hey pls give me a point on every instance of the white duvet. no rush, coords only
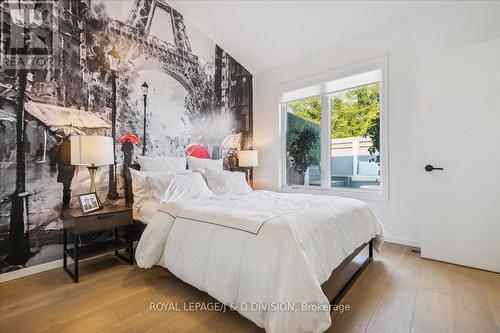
(264, 253)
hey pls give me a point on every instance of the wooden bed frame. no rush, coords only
(344, 276)
(337, 285)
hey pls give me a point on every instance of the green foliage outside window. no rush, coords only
(355, 113)
(308, 108)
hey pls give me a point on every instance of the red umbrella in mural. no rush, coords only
(197, 151)
(128, 141)
(129, 137)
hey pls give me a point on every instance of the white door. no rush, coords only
(460, 131)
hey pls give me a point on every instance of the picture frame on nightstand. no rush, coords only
(89, 202)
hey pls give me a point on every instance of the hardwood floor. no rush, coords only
(398, 292)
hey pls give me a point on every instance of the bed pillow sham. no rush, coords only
(159, 181)
(225, 182)
(200, 163)
(162, 163)
(140, 187)
(186, 186)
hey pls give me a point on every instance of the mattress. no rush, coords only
(147, 210)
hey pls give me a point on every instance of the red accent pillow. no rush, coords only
(197, 151)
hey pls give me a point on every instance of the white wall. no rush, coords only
(453, 26)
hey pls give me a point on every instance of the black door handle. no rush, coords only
(430, 168)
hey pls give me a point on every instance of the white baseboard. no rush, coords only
(41, 268)
(31, 270)
(402, 241)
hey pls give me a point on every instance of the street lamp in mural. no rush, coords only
(19, 249)
(145, 88)
(114, 61)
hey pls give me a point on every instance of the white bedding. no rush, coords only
(260, 250)
(147, 210)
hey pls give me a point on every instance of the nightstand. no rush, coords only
(108, 218)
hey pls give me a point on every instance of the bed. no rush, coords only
(144, 214)
(279, 259)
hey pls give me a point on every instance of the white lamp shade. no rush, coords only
(248, 158)
(92, 150)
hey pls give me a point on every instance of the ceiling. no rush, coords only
(265, 34)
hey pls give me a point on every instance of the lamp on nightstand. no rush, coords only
(248, 159)
(92, 151)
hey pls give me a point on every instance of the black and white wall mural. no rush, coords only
(127, 69)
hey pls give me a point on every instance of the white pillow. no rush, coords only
(161, 163)
(222, 182)
(200, 163)
(159, 181)
(140, 187)
(186, 186)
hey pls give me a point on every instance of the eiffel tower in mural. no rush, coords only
(172, 48)
(141, 18)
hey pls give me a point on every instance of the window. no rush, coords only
(333, 138)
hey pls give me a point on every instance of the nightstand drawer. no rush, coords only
(98, 222)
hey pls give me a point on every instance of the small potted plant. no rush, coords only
(303, 149)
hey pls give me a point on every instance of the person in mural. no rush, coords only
(127, 141)
(60, 156)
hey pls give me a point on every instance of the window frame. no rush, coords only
(325, 164)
